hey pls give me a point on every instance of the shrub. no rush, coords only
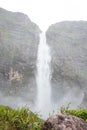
(20, 119)
(81, 113)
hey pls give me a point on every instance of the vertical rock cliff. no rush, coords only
(19, 38)
(68, 42)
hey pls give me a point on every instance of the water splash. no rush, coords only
(43, 76)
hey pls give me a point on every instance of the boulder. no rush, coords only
(64, 122)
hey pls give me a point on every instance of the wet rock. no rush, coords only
(19, 39)
(68, 43)
(64, 122)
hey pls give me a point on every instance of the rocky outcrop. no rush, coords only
(19, 38)
(64, 122)
(68, 43)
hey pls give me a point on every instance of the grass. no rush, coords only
(24, 119)
(19, 119)
(80, 112)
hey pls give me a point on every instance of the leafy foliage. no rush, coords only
(20, 119)
(81, 113)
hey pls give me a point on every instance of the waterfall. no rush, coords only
(43, 76)
(44, 103)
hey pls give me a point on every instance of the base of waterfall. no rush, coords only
(23, 119)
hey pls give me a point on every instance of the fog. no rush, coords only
(47, 12)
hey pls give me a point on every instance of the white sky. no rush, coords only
(46, 12)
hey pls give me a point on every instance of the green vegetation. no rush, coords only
(24, 119)
(81, 113)
(19, 119)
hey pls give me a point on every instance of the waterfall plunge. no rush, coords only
(43, 77)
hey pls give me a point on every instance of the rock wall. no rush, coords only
(68, 43)
(19, 38)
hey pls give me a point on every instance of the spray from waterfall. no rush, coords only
(43, 76)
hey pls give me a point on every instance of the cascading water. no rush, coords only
(43, 76)
(44, 103)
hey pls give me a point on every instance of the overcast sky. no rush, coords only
(46, 12)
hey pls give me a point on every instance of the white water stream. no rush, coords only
(43, 76)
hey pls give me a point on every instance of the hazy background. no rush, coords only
(46, 12)
(21, 38)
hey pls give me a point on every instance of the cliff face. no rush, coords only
(19, 38)
(68, 43)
